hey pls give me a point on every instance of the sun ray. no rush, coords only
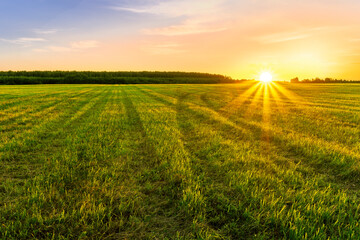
(277, 99)
(232, 106)
(266, 121)
(293, 97)
(252, 107)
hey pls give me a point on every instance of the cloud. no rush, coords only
(293, 35)
(84, 44)
(200, 16)
(59, 49)
(186, 28)
(53, 49)
(175, 8)
(282, 37)
(45, 31)
(164, 49)
(23, 40)
(134, 10)
(72, 47)
(355, 40)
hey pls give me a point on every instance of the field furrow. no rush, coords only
(225, 161)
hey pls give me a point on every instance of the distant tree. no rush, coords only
(294, 80)
(327, 80)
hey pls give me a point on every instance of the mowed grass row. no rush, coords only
(244, 161)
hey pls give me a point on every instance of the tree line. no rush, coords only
(319, 80)
(89, 77)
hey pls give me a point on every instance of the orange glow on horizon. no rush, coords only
(293, 39)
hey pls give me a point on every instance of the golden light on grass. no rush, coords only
(266, 77)
(232, 106)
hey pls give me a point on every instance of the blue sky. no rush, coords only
(21, 18)
(232, 37)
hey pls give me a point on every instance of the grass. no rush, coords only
(232, 161)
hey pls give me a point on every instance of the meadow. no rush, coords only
(220, 161)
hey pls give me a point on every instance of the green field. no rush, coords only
(226, 161)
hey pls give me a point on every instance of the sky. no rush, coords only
(237, 38)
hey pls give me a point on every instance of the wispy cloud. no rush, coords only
(191, 26)
(282, 37)
(293, 35)
(45, 31)
(71, 47)
(84, 44)
(23, 40)
(134, 10)
(355, 40)
(174, 8)
(53, 49)
(201, 16)
(164, 49)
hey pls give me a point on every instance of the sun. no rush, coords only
(266, 77)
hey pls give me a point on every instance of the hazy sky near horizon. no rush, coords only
(239, 38)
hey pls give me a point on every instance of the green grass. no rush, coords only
(232, 161)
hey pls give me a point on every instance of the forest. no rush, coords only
(90, 77)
